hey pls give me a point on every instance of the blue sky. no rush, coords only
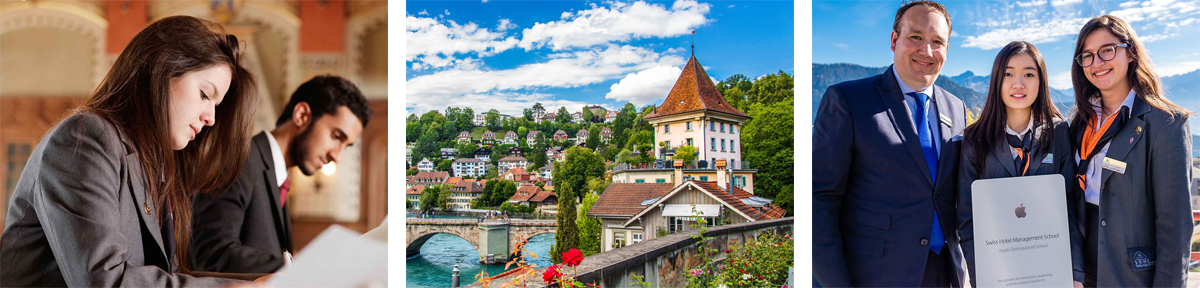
(1169, 29)
(509, 54)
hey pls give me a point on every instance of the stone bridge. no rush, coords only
(494, 239)
(661, 260)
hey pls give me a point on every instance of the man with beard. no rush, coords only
(246, 229)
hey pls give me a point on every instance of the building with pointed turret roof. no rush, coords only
(695, 113)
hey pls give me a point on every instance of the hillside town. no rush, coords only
(641, 173)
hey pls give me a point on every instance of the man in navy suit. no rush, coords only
(885, 155)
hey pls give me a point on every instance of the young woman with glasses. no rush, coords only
(1133, 170)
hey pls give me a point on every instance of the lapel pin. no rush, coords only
(1130, 140)
(1137, 129)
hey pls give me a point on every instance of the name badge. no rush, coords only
(1049, 159)
(1114, 165)
(946, 120)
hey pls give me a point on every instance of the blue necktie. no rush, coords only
(937, 238)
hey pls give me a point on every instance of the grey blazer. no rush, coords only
(1146, 211)
(873, 195)
(999, 164)
(78, 216)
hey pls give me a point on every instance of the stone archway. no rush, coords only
(62, 16)
(417, 235)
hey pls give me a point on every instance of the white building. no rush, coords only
(511, 162)
(464, 167)
(425, 165)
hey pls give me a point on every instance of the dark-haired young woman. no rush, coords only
(1019, 133)
(105, 198)
(1134, 171)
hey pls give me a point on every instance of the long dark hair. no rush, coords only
(988, 131)
(135, 96)
(1141, 75)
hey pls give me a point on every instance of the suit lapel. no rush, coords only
(272, 186)
(146, 209)
(947, 134)
(1002, 154)
(893, 98)
(1119, 146)
(1035, 160)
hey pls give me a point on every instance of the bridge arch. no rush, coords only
(417, 235)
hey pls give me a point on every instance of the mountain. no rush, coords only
(825, 75)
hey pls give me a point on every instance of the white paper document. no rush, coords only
(338, 257)
(1021, 232)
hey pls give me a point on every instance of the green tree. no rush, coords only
(589, 228)
(432, 197)
(563, 116)
(687, 153)
(466, 119)
(624, 121)
(566, 236)
(587, 115)
(528, 113)
(593, 138)
(445, 165)
(773, 88)
(492, 120)
(767, 144)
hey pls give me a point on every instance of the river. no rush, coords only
(434, 266)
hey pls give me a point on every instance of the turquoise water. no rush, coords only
(435, 265)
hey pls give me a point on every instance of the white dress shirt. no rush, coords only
(281, 172)
(1091, 192)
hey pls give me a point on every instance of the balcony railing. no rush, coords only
(670, 164)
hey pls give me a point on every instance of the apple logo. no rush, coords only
(1021, 211)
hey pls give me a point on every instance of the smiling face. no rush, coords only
(920, 46)
(324, 140)
(194, 98)
(1108, 76)
(1021, 83)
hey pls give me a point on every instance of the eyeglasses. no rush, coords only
(1106, 53)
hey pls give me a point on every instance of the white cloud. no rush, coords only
(455, 86)
(433, 43)
(1035, 26)
(423, 12)
(842, 46)
(1036, 33)
(1061, 80)
(505, 24)
(1032, 3)
(1156, 37)
(730, 6)
(1064, 2)
(645, 87)
(617, 23)
(1176, 68)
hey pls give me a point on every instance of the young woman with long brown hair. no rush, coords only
(1131, 146)
(105, 198)
(1019, 133)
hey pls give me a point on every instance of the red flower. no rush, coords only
(572, 257)
(551, 274)
(728, 250)
(741, 271)
(760, 277)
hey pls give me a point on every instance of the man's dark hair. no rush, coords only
(324, 94)
(935, 6)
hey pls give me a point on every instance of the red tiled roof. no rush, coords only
(626, 198)
(736, 202)
(427, 177)
(467, 187)
(524, 193)
(453, 180)
(694, 91)
(415, 190)
(512, 158)
(543, 196)
(517, 171)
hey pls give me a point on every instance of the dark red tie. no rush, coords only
(283, 189)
